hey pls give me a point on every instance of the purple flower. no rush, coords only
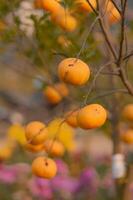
(40, 188)
(10, 173)
(62, 168)
(65, 184)
(88, 181)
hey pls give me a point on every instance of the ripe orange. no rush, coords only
(55, 148)
(128, 112)
(127, 137)
(113, 14)
(73, 71)
(38, 4)
(36, 132)
(62, 89)
(52, 95)
(34, 148)
(71, 118)
(83, 5)
(44, 167)
(65, 20)
(91, 116)
(52, 6)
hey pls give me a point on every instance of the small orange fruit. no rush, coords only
(84, 5)
(128, 112)
(62, 89)
(73, 71)
(36, 132)
(112, 12)
(38, 4)
(63, 41)
(44, 167)
(127, 137)
(91, 116)
(65, 20)
(34, 148)
(55, 148)
(52, 95)
(71, 118)
(51, 6)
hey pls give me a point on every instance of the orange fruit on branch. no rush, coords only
(52, 6)
(44, 167)
(73, 71)
(91, 116)
(53, 96)
(34, 148)
(62, 89)
(128, 112)
(112, 12)
(84, 5)
(65, 20)
(127, 136)
(54, 147)
(71, 118)
(36, 132)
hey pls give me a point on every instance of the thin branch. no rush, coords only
(115, 5)
(88, 33)
(110, 92)
(94, 80)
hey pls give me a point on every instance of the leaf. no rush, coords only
(65, 133)
(17, 133)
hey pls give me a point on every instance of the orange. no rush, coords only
(128, 112)
(36, 132)
(113, 14)
(65, 20)
(52, 95)
(83, 4)
(63, 41)
(34, 148)
(91, 116)
(38, 3)
(71, 118)
(55, 148)
(62, 89)
(73, 71)
(51, 6)
(127, 137)
(44, 167)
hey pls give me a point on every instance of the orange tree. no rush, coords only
(90, 39)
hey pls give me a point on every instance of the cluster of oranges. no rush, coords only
(63, 17)
(37, 141)
(76, 72)
(127, 134)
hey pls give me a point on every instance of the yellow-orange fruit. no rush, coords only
(55, 148)
(112, 12)
(52, 95)
(44, 167)
(38, 3)
(84, 5)
(34, 148)
(128, 112)
(65, 21)
(62, 89)
(6, 149)
(36, 132)
(63, 41)
(127, 136)
(52, 6)
(73, 71)
(71, 118)
(91, 116)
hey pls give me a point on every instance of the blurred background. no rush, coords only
(31, 47)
